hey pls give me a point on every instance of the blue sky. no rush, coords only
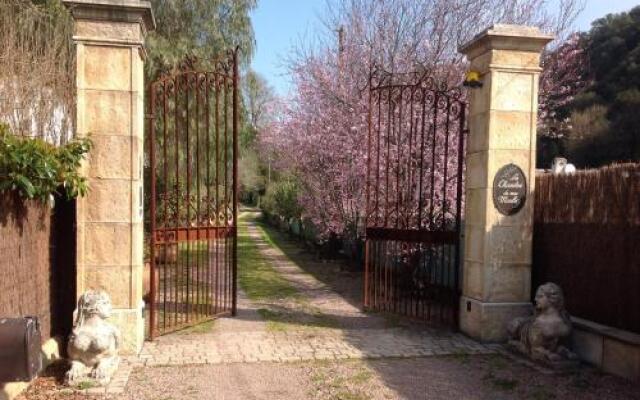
(279, 24)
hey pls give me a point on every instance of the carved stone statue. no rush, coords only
(541, 335)
(93, 343)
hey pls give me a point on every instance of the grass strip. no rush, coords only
(257, 278)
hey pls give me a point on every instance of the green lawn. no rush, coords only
(256, 276)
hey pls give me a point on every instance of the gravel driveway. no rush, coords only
(315, 343)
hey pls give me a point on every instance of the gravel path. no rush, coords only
(315, 324)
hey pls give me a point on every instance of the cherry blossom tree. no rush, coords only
(565, 74)
(321, 133)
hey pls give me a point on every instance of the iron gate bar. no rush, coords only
(226, 172)
(208, 161)
(412, 234)
(234, 251)
(152, 210)
(194, 238)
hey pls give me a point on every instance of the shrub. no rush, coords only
(36, 169)
(282, 199)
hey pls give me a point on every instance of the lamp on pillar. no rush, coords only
(472, 80)
(500, 175)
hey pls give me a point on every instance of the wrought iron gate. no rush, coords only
(193, 144)
(414, 197)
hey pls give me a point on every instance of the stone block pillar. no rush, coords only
(109, 37)
(500, 177)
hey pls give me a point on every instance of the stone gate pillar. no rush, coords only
(500, 177)
(109, 37)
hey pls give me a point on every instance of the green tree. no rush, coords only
(614, 53)
(282, 198)
(257, 114)
(613, 131)
(198, 28)
(252, 181)
(590, 130)
(257, 95)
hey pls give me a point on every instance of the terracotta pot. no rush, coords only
(167, 254)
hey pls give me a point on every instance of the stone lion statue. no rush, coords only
(541, 335)
(93, 343)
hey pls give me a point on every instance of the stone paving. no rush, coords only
(246, 338)
(300, 345)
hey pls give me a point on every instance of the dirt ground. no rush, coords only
(438, 378)
(433, 378)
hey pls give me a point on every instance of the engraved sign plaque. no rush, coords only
(509, 189)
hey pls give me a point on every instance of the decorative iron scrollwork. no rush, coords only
(426, 80)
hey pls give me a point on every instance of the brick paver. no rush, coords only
(327, 344)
